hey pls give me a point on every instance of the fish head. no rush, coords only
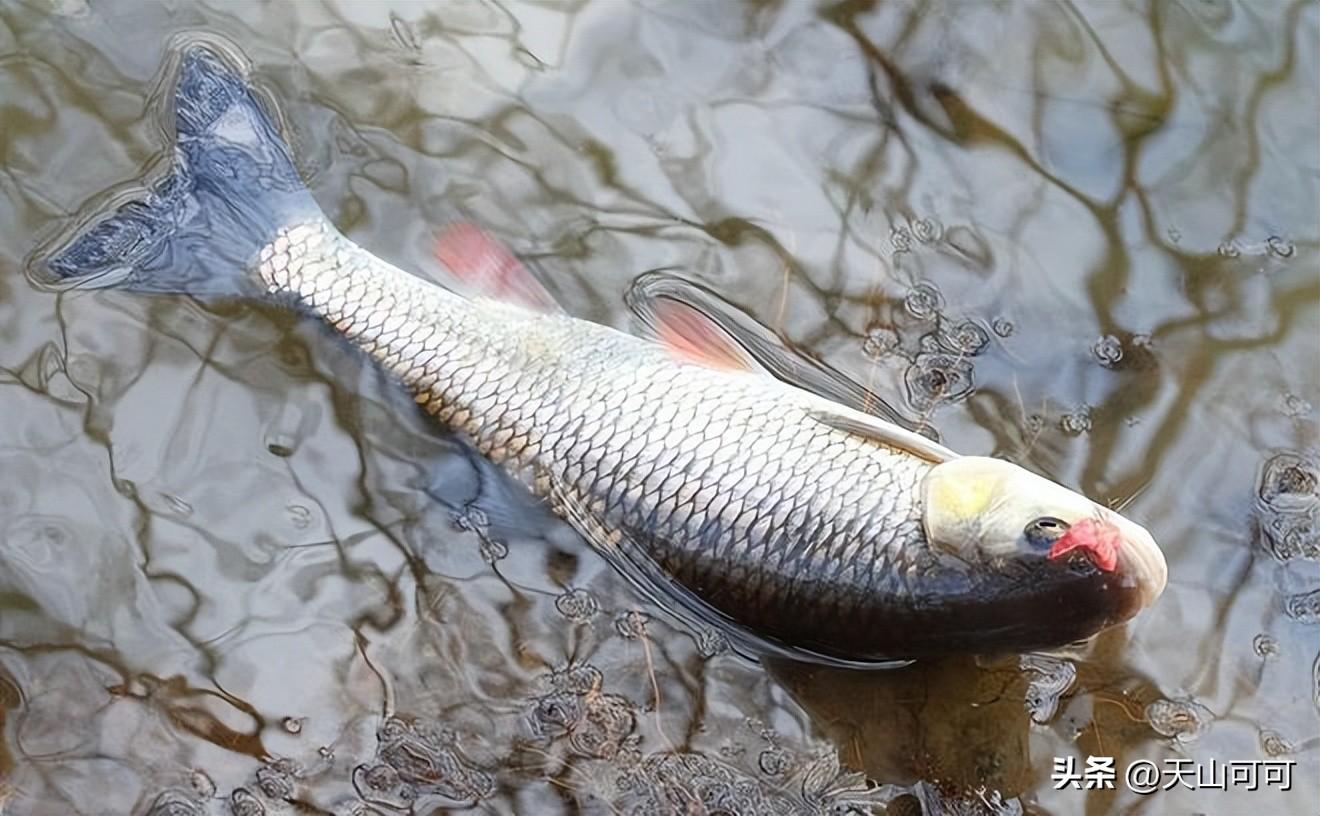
(1049, 566)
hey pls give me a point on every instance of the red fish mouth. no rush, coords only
(1098, 540)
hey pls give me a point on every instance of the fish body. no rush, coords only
(723, 477)
(809, 527)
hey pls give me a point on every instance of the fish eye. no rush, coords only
(1041, 532)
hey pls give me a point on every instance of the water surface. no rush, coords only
(240, 574)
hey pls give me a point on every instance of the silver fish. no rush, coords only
(805, 526)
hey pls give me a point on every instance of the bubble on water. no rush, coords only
(927, 230)
(712, 642)
(1288, 476)
(966, 337)
(1275, 745)
(597, 724)
(202, 783)
(1182, 720)
(1295, 406)
(673, 782)
(380, 784)
(415, 759)
(299, 516)
(1003, 327)
(1175, 235)
(632, 624)
(1280, 247)
(1265, 646)
(901, 238)
(698, 784)
(1229, 249)
(1050, 677)
(1288, 484)
(1108, 350)
(923, 301)
(294, 725)
(774, 761)
(325, 752)
(492, 550)
(879, 342)
(937, 379)
(471, 519)
(555, 715)
(275, 779)
(606, 728)
(242, 802)
(1132, 421)
(1303, 607)
(1035, 423)
(578, 605)
(1289, 536)
(1077, 421)
(1315, 682)
(174, 803)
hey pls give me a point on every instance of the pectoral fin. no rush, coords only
(753, 344)
(884, 433)
(691, 335)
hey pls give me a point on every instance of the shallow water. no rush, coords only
(239, 573)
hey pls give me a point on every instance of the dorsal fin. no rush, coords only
(876, 429)
(487, 267)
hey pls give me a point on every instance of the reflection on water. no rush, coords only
(240, 574)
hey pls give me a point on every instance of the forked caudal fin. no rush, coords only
(231, 185)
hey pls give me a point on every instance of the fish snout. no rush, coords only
(1140, 559)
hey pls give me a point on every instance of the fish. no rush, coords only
(803, 526)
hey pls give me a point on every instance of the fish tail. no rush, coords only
(230, 186)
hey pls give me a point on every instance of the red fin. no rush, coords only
(1097, 539)
(693, 336)
(489, 268)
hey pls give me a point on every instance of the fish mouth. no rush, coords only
(1099, 540)
(1113, 544)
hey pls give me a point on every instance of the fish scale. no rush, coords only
(662, 452)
